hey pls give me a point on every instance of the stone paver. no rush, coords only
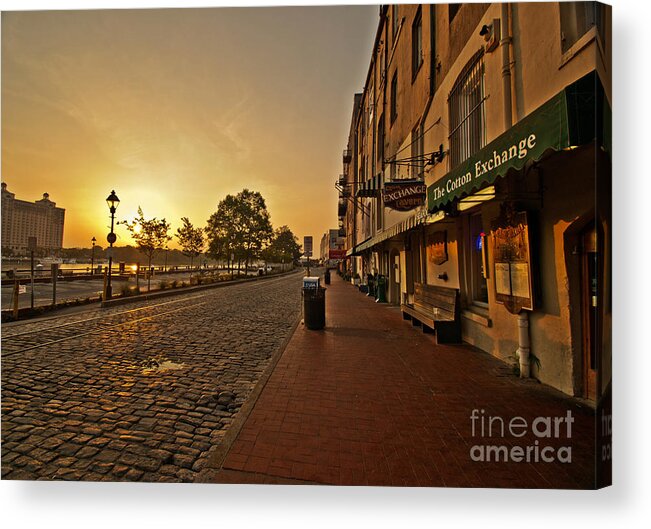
(372, 401)
(148, 393)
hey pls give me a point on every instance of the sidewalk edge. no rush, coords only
(219, 453)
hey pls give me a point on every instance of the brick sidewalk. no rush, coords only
(373, 401)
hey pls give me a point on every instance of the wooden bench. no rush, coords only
(436, 309)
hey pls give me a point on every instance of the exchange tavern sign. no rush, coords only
(404, 195)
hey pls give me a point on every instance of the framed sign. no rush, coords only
(437, 247)
(404, 195)
(512, 264)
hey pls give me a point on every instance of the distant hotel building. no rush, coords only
(22, 219)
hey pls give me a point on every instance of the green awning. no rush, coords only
(576, 116)
(409, 223)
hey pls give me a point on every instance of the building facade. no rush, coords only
(331, 246)
(22, 220)
(500, 113)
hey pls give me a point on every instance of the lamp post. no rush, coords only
(112, 202)
(92, 257)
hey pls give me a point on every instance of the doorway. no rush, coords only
(394, 278)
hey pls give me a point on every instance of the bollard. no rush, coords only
(15, 300)
(105, 286)
(55, 273)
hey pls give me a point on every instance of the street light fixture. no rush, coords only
(113, 201)
(92, 257)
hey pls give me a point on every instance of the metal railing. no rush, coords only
(466, 107)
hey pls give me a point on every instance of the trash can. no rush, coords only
(314, 308)
(381, 290)
(326, 276)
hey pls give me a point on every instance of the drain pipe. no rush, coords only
(524, 341)
(505, 44)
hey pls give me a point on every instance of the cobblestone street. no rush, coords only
(139, 392)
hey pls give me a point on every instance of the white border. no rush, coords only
(88, 505)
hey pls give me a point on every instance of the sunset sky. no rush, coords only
(175, 108)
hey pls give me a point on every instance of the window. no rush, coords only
(453, 9)
(466, 106)
(478, 285)
(577, 18)
(417, 164)
(394, 96)
(380, 141)
(371, 106)
(416, 43)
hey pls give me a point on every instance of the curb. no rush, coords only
(219, 453)
(187, 290)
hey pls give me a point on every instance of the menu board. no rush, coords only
(437, 248)
(512, 264)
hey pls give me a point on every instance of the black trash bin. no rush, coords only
(371, 285)
(314, 308)
(381, 290)
(326, 277)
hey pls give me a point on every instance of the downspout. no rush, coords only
(524, 341)
(354, 191)
(428, 105)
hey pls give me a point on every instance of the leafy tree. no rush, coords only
(150, 236)
(191, 240)
(240, 227)
(284, 247)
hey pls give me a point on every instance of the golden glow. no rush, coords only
(134, 268)
(175, 108)
(483, 195)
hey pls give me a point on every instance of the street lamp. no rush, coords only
(112, 202)
(92, 257)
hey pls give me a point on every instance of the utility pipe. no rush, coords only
(505, 43)
(524, 341)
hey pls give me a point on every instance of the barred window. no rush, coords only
(466, 106)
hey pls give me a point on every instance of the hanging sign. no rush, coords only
(404, 195)
(512, 258)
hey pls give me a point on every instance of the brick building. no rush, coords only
(478, 120)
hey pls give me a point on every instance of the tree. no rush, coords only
(191, 240)
(284, 247)
(240, 227)
(150, 236)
